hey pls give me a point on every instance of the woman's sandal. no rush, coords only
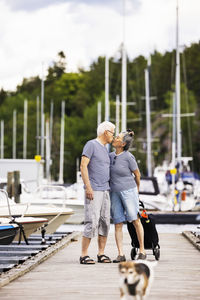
(103, 259)
(86, 260)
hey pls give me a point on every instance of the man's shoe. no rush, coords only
(119, 259)
(142, 256)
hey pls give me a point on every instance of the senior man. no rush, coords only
(95, 171)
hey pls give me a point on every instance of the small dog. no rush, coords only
(135, 279)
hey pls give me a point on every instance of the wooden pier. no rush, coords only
(177, 274)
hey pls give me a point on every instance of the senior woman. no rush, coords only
(124, 189)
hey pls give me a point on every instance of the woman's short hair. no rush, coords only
(128, 138)
(104, 126)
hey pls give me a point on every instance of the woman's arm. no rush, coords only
(137, 178)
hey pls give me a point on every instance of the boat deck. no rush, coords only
(161, 217)
(177, 274)
(186, 217)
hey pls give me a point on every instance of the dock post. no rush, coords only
(9, 184)
(17, 186)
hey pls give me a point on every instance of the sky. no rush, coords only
(32, 32)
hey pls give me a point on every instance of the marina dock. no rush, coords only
(177, 274)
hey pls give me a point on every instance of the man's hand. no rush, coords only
(84, 173)
(89, 193)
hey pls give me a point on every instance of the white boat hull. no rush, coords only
(56, 216)
(30, 225)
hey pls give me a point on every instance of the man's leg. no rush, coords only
(85, 259)
(87, 234)
(85, 245)
(101, 244)
(90, 229)
(104, 224)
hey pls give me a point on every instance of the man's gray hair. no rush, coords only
(104, 126)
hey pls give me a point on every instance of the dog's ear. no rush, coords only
(120, 265)
(142, 268)
(138, 268)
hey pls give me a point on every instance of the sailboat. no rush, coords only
(183, 191)
(183, 195)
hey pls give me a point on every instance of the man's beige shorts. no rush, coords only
(97, 215)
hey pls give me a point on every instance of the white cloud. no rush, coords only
(32, 5)
(84, 31)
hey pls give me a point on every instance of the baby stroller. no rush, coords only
(151, 240)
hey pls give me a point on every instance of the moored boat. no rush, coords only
(7, 232)
(55, 216)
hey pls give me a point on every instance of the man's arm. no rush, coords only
(84, 173)
(137, 178)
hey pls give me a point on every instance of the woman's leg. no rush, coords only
(119, 238)
(131, 206)
(140, 234)
(117, 213)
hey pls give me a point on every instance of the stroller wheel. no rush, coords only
(133, 253)
(156, 252)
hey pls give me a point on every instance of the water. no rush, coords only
(161, 228)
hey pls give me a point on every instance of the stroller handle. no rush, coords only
(141, 204)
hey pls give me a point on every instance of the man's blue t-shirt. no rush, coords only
(99, 165)
(121, 168)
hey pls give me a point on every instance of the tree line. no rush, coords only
(81, 92)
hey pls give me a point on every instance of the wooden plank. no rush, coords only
(62, 277)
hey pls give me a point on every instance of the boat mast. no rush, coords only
(14, 132)
(2, 139)
(107, 108)
(51, 126)
(25, 129)
(148, 120)
(117, 115)
(173, 170)
(37, 125)
(174, 132)
(62, 136)
(178, 96)
(42, 115)
(124, 76)
(98, 113)
(48, 158)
